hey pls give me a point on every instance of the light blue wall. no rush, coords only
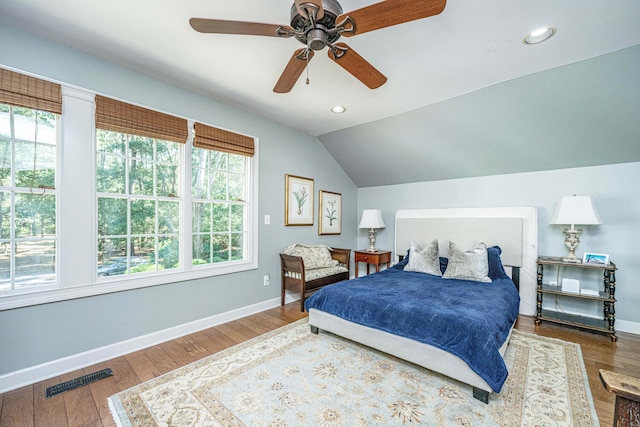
(34, 335)
(613, 187)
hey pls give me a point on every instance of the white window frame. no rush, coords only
(77, 253)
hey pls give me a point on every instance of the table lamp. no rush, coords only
(575, 210)
(371, 219)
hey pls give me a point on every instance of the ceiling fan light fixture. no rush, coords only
(540, 35)
(338, 109)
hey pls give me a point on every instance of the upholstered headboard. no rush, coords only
(515, 230)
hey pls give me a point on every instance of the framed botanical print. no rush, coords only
(330, 213)
(298, 200)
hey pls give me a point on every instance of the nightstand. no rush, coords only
(376, 258)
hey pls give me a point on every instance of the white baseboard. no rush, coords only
(34, 374)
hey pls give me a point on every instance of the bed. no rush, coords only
(425, 319)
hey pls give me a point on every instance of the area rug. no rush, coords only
(291, 377)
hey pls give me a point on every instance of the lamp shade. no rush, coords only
(371, 218)
(576, 210)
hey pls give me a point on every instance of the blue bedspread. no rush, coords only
(469, 319)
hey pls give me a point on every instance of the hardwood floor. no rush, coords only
(87, 406)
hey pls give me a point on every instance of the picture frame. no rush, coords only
(298, 200)
(597, 259)
(329, 213)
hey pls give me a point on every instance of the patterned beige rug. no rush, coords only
(290, 377)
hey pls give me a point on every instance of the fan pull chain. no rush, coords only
(307, 67)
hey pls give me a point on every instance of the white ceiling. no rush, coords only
(471, 45)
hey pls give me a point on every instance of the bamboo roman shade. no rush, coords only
(119, 116)
(30, 92)
(213, 138)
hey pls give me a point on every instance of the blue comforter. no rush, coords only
(469, 319)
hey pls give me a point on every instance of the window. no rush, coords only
(28, 140)
(122, 211)
(219, 206)
(138, 204)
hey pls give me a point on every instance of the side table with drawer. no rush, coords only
(376, 258)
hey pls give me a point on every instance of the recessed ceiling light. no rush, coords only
(338, 109)
(539, 35)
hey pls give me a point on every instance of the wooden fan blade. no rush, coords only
(292, 71)
(390, 12)
(317, 3)
(220, 26)
(358, 67)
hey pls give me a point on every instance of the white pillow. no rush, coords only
(424, 260)
(470, 265)
(313, 256)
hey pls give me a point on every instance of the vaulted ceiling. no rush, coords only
(464, 96)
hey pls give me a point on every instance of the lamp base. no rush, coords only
(372, 240)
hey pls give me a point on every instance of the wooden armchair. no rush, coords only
(297, 279)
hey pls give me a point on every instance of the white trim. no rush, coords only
(34, 374)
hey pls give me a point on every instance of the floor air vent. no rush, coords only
(77, 382)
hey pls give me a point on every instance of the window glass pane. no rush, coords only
(167, 152)
(168, 253)
(237, 217)
(112, 216)
(141, 147)
(5, 162)
(237, 246)
(5, 217)
(219, 186)
(140, 177)
(35, 263)
(35, 215)
(199, 158)
(200, 183)
(109, 249)
(46, 124)
(218, 160)
(143, 251)
(220, 217)
(24, 122)
(143, 216)
(201, 253)
(168, 217)
(220, 247)
(44, 173)
(167, 180)
(236, 163)
(236, 187)
(201, 217)
(5, 121)
(111, 142)
(111, 174)
(5, 266)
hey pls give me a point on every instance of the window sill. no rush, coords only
(117, 284)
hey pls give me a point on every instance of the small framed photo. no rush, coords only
(330, 213)
(598, 259)
(298, 200)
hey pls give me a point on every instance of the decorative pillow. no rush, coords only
(424, 260)
(402, 264)
(496, 269)
(313, 256)
(470, 265)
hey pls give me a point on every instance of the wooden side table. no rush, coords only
(627, 391)
(376, 258)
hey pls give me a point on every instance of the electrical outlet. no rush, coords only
(553, 283)
(267, 280)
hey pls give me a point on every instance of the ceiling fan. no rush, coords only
(320, 23)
